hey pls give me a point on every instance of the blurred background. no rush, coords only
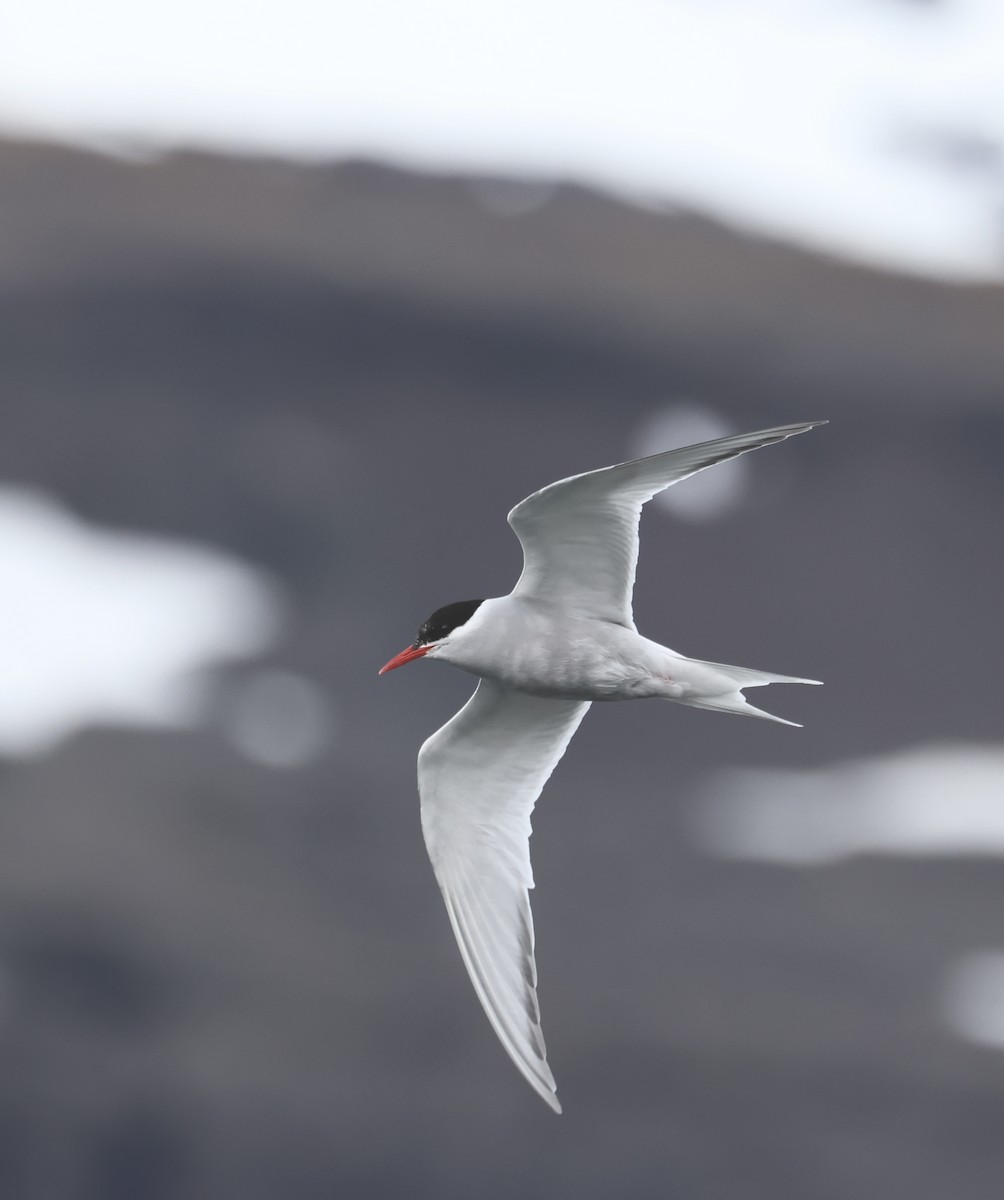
(296, 301)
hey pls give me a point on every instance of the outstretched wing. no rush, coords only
(580, 535)
(479, 777)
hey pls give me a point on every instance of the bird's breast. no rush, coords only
(525, 647)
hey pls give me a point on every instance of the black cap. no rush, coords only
(444, 620)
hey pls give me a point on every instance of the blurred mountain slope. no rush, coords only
(657, 283)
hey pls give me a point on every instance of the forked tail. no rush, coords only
(734, 701)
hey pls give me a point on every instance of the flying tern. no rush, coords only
(564, 637)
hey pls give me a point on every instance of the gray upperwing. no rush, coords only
(580, 535)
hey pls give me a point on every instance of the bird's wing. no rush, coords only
(580, 535)
(479, 777)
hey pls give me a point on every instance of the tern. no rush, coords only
(564, 637)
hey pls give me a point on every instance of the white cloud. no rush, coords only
(112, 627)
(933, 800)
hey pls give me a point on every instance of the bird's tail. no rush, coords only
(734, 701)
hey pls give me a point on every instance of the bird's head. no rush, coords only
(435, 631)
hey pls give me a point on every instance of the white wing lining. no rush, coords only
(479, 777)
